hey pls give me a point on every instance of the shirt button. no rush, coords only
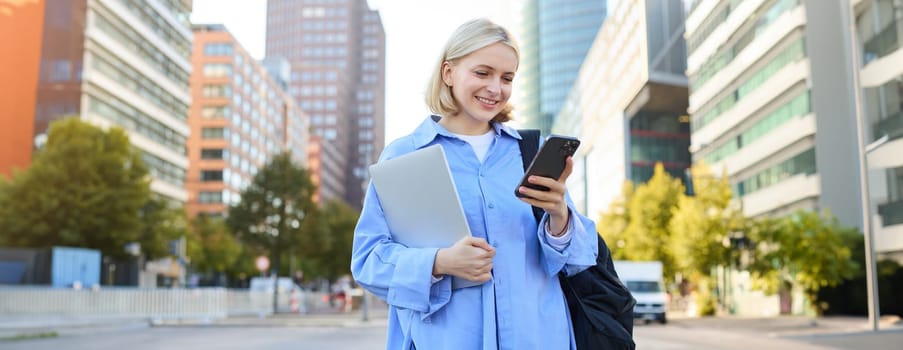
(482, 175)
(426, 320)
(491, 205)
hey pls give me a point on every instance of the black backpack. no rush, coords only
(601, 306)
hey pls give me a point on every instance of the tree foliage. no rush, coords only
(702, 224)
(651, 207)
(273, 209)
(326, 251)
(613, 224)
(212, 247)
(694, 234)
(804, 248)
(85, 188)
(162, 222)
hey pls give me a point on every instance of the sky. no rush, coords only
(416, 31)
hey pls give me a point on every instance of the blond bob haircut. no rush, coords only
(469, 37)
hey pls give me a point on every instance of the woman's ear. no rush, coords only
(447, 73)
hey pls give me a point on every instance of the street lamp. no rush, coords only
(863, 150)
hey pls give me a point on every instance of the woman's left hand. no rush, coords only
(552, 200)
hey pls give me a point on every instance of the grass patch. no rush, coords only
(30, 336)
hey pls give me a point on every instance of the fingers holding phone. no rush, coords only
(553, 198)
(543, 184)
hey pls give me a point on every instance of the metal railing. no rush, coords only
(891, 213)
(883, 43)
(892, 126)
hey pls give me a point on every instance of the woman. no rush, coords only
(520, 305)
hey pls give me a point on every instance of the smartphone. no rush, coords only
(549, 161)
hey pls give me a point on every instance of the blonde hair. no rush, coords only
(469, 37)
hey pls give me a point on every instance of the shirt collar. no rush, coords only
(429, 129)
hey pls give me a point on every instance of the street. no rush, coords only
(304, 333)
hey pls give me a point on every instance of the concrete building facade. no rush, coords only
(628, 104)
(21, 28)
(772, 103)
(114, 64)
(879, 31)
(337, 52)
(241, 117)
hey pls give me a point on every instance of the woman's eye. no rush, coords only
(481, 73)
(508, 79)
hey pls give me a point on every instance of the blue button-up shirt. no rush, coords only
(522, 307)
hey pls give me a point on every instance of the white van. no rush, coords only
(644, 280)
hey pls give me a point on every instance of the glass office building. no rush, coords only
(555, 37)
(629, 102)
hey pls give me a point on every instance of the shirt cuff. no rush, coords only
(561, 242)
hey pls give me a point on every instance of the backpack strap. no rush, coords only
(529, 145)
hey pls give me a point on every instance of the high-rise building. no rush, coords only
(629, 102)
(555, 36)
(118, 63)
(241, 116)
(336, 49)
(879, 25)
(20, 57)
(772, 104)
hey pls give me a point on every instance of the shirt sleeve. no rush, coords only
(560, 242)
(580, 251)
(401, 276)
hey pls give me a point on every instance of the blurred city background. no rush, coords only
(179, 173)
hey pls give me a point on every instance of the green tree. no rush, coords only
(702, 224)
(162, 222)
(273, 209)
(327, 250)
(651, 207)
(805, 248)
(212, 247)
(85, 188)
(613, 223)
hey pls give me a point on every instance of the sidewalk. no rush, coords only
(832, 332)
(788, 326)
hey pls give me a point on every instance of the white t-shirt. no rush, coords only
(480, 143)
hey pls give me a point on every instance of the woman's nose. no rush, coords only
(494, 87)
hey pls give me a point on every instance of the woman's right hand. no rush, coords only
(469, 258)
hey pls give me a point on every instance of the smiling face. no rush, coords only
(481, 85)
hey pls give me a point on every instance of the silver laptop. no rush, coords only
(420, 201)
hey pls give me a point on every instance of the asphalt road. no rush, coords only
(349, 334)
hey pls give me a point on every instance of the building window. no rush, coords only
(215, 112)
(210, 197)
(218, 49)
(218, 90)
(213, 133)
(211, 175)
(217, 70)
(213, 153)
